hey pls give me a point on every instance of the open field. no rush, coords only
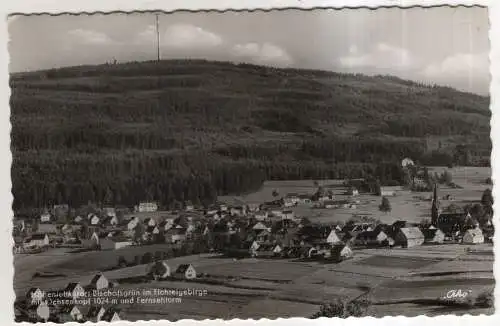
(406, 205)
(393, 280)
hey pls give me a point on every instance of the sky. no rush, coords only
(445, 46)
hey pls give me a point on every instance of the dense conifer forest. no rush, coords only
(182, 130)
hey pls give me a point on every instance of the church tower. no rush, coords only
(435, 206)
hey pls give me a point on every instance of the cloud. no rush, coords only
(382, 56)
(459, 66)
(182, 36)
(90, 36)
(466, 71)
(266, 53)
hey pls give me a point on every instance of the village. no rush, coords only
(269, 230)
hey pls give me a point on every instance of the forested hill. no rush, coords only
(178, 130)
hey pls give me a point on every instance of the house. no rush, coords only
(149, 221)
(99, 282)
(237, 211)
(277, 250)
(48, 228)
(147, 207)
(159, 270)
(95, 313)
(320, 250)
(304, 199)
(175, 235)
(473, 236)
(74, 312)
(371, 238)
(261, 215)
(75, 290)
(38, 240)
(264, 251)
(353, 192)
(260, 226)
(333, 237)
(390, 191)
(114, 242)
(433, 235)
(92, 242)
(110, 315)
(35, 295)
(186, 271)
(109, 211)
(109, 220)
(287, 215)
(409, 237)
(341, 252)
(94, 220)
(45, 217)
(188, 206)
(78, 219)
(132, 223)
(263, 236)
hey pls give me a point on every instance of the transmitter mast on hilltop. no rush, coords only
(157, 37)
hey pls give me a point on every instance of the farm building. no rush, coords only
(99, 282)
(147, 207)
(95, 313)
(264, 251)
(287, 215)
(94, 220)
(433, 235)
(371, 238)
(74, 312)
(35, 295)
(175, 235)
(409, 237)
(333, 237)
(390, 191)
(110, 315)
(49, 228)
(159, 270)
(37, 240)
(341, 252)
(75, 290)
(304, 199)
(473, 236)
(186, 271)
(114, 243)
(45, 218)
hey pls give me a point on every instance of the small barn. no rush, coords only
(333, 237)
(186, 271)
(473, 236)
(409, 237)
(111, 314)
(433, 235)
(75, 290)
(99, 282)
(341, 252)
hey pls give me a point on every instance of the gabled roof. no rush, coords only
(182, 268)
(96, 278)
(71, 286)
(475, 232)
(412, 233)
(38, 236)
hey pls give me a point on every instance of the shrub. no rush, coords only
(342, 309)
(385, 205)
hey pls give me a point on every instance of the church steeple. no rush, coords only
(435, 206)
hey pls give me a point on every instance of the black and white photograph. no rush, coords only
(251, 164)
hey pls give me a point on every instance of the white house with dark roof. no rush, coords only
(99, 282)
(76, 290)
(186, 271)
